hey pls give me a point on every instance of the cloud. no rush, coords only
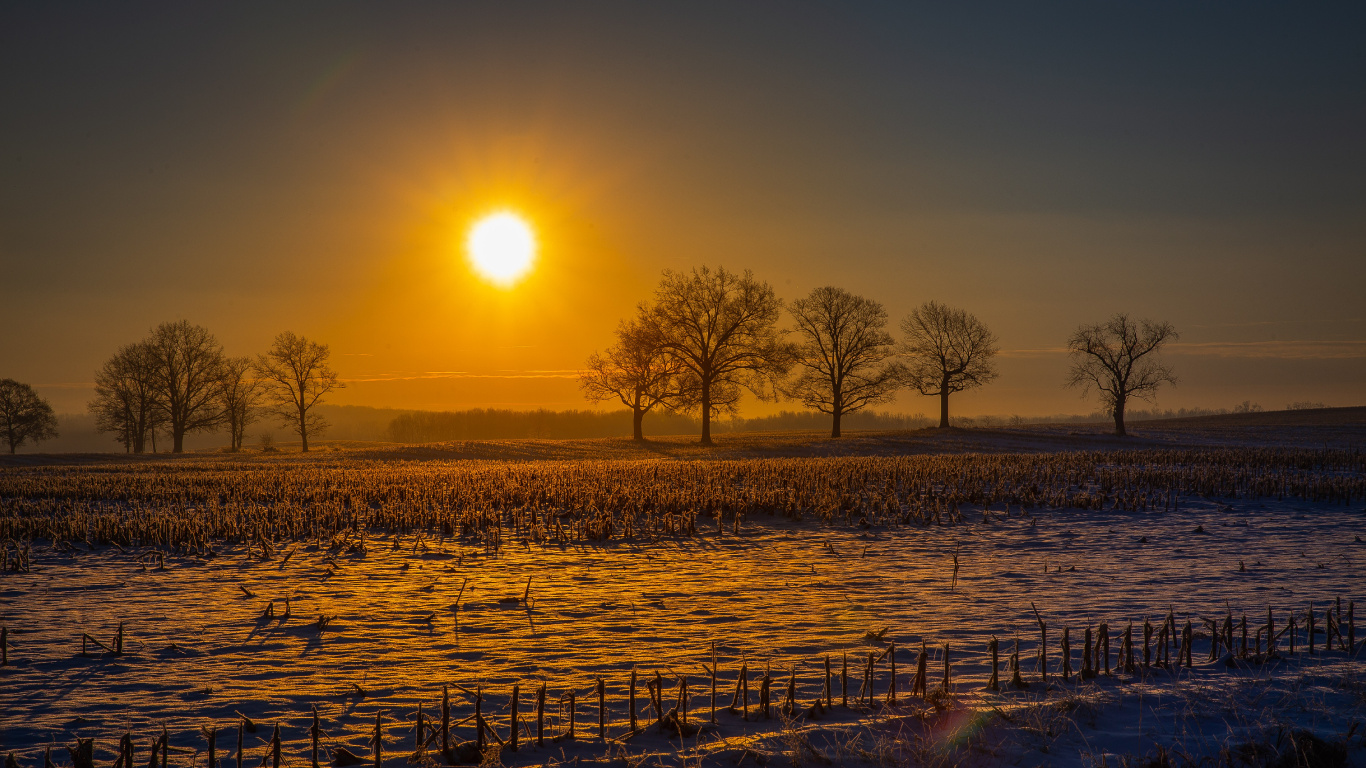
(1279, 350)
(502, 374)
(1033, 353)
(1266, 323)
(1265, 350)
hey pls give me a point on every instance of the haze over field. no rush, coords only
(318, 168)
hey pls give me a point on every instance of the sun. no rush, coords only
(502, 247)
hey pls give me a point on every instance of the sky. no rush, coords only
(316, 167)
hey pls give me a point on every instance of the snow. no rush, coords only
(780, 595)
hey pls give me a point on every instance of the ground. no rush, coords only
(210, 638)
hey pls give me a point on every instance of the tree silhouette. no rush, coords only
(722, 327)
(843, 360)
(24, 416)
(240, 392)
(1118, 358)
(187, 363)
(948, 351)
(295, 375)
(639, 373)
(126, 397)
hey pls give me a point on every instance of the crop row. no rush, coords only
(193, 503)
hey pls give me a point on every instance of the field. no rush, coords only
(364, 582)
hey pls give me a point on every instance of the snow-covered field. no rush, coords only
(410, 618)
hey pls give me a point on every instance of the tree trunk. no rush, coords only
(706, 414)
(944, 406)
(637, 432)
(303, 428)
(1119, 419)
(178, 441)
(835, 429)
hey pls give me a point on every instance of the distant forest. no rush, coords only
(494, 424)
(365, 424)
(481, 424)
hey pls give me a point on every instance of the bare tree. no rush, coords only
(723, 328)
(844, 358)
(948, 351)
(296, 376)
(638, 373)
(1118, 358)
(188, 363)
(241, 393)
(126, 397)
(24, 416)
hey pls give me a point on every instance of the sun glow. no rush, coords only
(502, 247)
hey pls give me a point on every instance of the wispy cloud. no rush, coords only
(1282, 350)
(1271, 350)
(1034, 353)
(566, 373)
(1268, 323)
(501, 374)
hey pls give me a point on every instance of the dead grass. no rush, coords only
(1048, 718)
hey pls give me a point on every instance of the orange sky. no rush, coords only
(319, 174)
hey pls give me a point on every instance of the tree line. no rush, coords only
(711, 334)
(506, 424)
(178, 381)
(708, 336)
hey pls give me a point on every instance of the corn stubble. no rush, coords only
(192, 506)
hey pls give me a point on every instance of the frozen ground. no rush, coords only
(781, 596)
